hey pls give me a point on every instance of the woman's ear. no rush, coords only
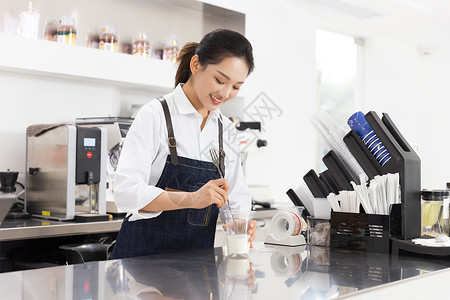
(195, 64)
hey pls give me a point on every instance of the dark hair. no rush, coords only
(212, 49)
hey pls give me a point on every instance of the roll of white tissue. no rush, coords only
(286, 223)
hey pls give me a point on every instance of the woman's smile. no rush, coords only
(215, 100)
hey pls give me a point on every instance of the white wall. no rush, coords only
(393, 83)
(283, 39)
(28, 100)
(434, 119)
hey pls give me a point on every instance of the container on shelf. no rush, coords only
(141, 45)
(108, 39)
(29, 22)
(67, 34)
(93, 40)
(126, 46)
(171, 51)
(51, 30)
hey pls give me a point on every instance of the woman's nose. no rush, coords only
(225, 92)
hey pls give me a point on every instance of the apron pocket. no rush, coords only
(199, 217)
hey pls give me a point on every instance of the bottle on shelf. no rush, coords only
(29, 22)
(141, 45)
(67, 34)
(108, 39)
(170, 52)
(51, 31)
(93, 40)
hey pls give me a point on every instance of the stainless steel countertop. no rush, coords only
(265, 273)
(41, 228)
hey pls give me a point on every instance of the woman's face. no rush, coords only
(219, 83)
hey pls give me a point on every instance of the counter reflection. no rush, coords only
(269, 272)
(177, 276)
(236, 277)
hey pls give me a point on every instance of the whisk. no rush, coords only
(216, 162)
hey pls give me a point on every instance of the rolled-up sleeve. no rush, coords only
(132, 190)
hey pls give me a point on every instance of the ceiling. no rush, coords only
(423, 22)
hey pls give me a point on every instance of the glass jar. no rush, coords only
(29, 23)
(66, 32)
(141, 46)
(433, 218)
(51, 31)
(108, 39)
(170, 52)
(93, 40)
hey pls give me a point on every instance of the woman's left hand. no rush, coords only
(251, 232)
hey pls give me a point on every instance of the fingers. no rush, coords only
(211, 193)
(251, 232)
(252, 227)
(222, 182)
(222, 192)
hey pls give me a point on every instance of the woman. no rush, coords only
(165, 179)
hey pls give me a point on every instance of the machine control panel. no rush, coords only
(88, 155)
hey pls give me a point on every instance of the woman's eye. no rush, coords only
(218, 81)
(236, 88)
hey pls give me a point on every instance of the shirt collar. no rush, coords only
(184, 106)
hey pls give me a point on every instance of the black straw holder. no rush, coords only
(403, 161)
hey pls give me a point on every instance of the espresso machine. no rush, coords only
(66, 172)
(117, 128)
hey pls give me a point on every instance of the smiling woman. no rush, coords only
(164, 180)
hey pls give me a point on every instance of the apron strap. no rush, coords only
(171, 138)
(221, 150)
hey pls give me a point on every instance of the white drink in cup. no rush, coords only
(237, 224)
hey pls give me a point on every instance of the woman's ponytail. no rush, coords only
(184, 63)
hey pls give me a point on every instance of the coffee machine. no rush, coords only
(66, 172)
(117, 128)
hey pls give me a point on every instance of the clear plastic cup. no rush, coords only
(237, 224)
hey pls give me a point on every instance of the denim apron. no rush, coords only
(174, 230)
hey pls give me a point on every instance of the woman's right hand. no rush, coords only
(213, 192)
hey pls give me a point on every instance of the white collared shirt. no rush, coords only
(146, 148)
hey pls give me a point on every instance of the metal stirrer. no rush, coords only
(216, 162)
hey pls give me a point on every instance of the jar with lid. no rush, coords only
(93, 39)
(66, 32)
(434, 219)
(108, 39)
(141, 46)
(29, 22)
(51, 30)
(170, 52)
